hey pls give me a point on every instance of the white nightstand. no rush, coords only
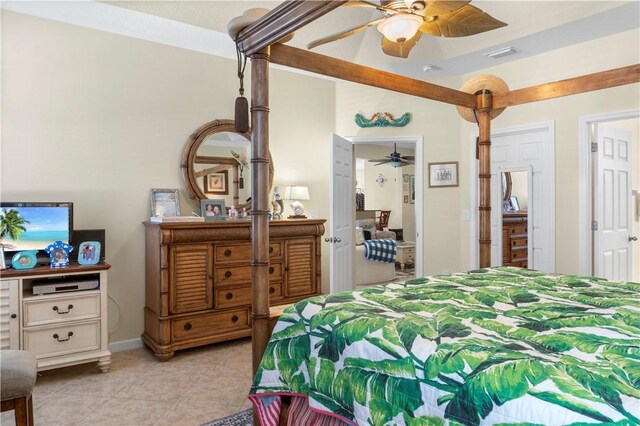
(406, 253)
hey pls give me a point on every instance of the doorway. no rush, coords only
(609, 198)
(516, 220)
(530, 149)
(415, 235)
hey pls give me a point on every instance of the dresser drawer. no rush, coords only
(240, 252)
(228, 275)
(519, 254)
(59, 308)
(232, 296)
(61, 339)
(519, 242)
(517, 230)
(205, 325)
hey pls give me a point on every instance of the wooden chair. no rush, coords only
(382, 221)
(18, 371)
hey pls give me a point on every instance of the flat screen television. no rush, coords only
(44, 223)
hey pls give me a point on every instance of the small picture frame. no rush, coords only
(213, 210)
(217, 183)
(59, 254)
(406, 199)
(515, 206)
(89, 253)
(443, 175)
(165, 203)
(25, 259)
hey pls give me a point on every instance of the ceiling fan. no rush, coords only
(406, 20)
(395, 159)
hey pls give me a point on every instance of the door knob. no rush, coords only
(336, 240)
(633, 238)
(329, 239)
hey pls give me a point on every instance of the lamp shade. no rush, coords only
(296, 193)
(401, 27)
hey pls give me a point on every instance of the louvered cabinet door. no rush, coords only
(9, 321)
(191, 278)
(300, 269)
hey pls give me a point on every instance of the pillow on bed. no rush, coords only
(366, 224)
(359, 236)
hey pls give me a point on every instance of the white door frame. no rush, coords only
(419, 167)
(474, 255)
(585, 168)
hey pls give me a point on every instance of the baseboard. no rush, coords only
(125, 345)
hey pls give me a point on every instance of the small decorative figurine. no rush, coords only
(59, 254)
(277, 204)
(24, 259)
(89, 253)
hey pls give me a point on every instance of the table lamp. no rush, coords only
(296, 193)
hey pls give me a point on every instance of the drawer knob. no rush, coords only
(14, 316)
(227, 252)
(57, 337)
(229, 296)
(188, 326)
(227, 274)
(270, 249)
(271, 269)
(272, 290)
(69, 308)
(234, 318)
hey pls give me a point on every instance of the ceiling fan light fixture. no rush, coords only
(400, 27)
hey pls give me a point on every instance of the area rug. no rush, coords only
(243, 418)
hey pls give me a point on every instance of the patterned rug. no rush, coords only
(243, 418)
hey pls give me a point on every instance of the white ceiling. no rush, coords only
(533, 27)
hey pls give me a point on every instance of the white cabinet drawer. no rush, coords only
(59, 308)
(61, 339)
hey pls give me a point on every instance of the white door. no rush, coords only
(341, 210)
(612, 205)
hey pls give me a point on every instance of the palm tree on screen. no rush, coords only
(11, 225)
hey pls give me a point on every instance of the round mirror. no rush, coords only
(216, 164)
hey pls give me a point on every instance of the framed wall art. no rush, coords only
(165, 203)
(217, 183)
(443, 175)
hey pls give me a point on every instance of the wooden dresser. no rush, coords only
(198, 278)
(515, 239)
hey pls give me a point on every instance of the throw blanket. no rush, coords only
(493, 346)
(380, 250)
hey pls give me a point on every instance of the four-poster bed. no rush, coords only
(258, 42)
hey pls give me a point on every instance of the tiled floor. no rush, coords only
(195, 386)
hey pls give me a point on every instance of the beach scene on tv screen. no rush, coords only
(45, 225)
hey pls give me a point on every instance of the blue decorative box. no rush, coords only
(25, 259)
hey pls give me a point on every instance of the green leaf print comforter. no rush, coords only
(492, 346)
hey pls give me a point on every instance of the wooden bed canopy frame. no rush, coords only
(259, 40)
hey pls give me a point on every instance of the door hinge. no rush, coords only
(594, 146)
(594, 225)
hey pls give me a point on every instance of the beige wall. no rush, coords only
(99, 119)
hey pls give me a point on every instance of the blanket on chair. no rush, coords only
(380, 250)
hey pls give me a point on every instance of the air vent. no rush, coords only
(505, 51)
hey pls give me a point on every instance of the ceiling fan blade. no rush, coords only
(442, 7)
(466, 21)
(381, 159)
(399, 50)
(409, 157)
(343, 34)
(379, 164)
(364, 3)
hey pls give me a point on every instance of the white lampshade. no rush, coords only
(296, 193)
(400, 27)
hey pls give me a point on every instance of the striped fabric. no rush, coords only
(380, 250)
(268, 409)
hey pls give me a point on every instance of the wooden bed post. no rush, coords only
(260, 203)
(484, 101)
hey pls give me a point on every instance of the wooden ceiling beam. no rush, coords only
(326, 65)
(282, 21)
(571, 86)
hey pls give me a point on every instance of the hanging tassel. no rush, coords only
(241, 180)
(242, 105)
